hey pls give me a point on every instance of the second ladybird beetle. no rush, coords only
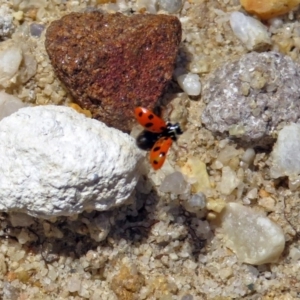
(157, 137)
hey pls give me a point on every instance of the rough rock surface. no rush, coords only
(55, 161)
(112, 63)
(254, 238)
(251, 97)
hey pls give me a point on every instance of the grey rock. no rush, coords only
(252, 98)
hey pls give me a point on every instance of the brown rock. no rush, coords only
(112, 63)
(267, 9)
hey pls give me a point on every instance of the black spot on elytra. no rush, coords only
(155, 162)
(140, 113)
(156, 149)
(150, 117)
(162, 154)
(147, 125)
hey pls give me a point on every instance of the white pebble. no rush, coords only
(10, 61)
(190, 83)
(195, 203)
(285, 154)
(74, 284)
(229, 181)
(9, 104)
(171, 6)
(249, 30)
(254, 238)
(175, 184)
(248, 156)
(68, 164)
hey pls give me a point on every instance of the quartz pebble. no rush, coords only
(18, 219)
(195, 203)
(254, 238)
(175, 184)
(6, 21)
(10, 61)
(285, 154)
(196, 174)
(171, 6)
(250, 31)
(68, 164)
(229, 181)
(9, 104)
(267, 9)
(36, 29)
(190, 83)
(248, 156)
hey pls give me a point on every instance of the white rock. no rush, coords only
(175, 184)
(285, 154)
(190, 83)
(229, 181)
(10, 60)
(195, 203)
(171, 6)
(249, 30)
(55, 161)
(6, 21)
(248, 156)
(254, 238)
(9, 104)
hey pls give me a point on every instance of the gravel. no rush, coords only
(163, 245)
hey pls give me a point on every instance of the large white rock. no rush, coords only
(55, 161)
(254, 238)
(285, 154)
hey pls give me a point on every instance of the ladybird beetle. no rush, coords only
(157, 137)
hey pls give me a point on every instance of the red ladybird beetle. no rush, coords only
(157, 136)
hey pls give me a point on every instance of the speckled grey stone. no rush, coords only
(252, 98)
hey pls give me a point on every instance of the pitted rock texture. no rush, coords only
(251, 98)
(56, 162)
(112, 63)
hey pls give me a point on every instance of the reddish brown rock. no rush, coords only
(112, 63)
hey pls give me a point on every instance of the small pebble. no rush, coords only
(248, 156)
(216, 205)
(190, 83)
(250, 31)
(171, 6)
(195, 203)
(285, 154)
(36, 29)
(74, 284)
(196, 174)
(175, 184)
(229, 181)
(10, 61)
